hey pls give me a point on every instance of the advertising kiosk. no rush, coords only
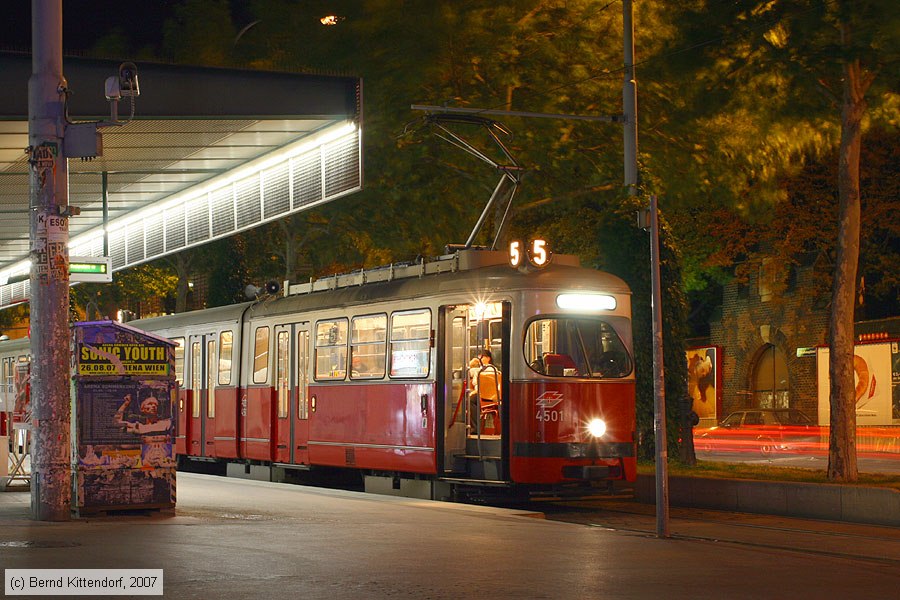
(123, 425)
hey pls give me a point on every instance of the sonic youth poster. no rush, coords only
(103, 350)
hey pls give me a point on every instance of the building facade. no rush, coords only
(768, 337)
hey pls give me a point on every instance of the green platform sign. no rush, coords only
(90, 269)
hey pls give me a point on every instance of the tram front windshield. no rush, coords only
(576, 347)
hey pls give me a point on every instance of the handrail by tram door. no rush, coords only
(455, 383)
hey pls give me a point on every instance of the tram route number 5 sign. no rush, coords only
(537, 253)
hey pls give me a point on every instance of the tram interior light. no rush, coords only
(589, 302)
(480, 310)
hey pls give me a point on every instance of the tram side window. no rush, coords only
(226, 343)
(7, 376)
(331, 350)
(283, 372)
(410, 343)
(571, 347)
(302, 370)
(261, 355)
(367, 339)
(179, 360)
(210, 378)
(196, 381)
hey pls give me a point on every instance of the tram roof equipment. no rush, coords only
(461, 260)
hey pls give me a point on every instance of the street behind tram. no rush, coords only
(243, 539)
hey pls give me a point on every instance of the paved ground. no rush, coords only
(244, 539)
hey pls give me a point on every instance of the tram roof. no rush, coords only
(208, 153)
(487, 273)
(476, 272)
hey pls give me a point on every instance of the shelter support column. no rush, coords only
(51, 492)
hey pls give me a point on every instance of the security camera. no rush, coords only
(123, 85)
(128, 79)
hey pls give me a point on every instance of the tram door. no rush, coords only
(456, 398)
(291, 382)
(202, 430)
(182, 443)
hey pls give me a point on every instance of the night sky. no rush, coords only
(86, 21)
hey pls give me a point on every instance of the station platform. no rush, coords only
(236, 539)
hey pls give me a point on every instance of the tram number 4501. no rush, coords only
(548, 415)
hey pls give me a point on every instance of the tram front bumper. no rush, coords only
(592, 472)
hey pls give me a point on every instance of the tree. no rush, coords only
(776, 75)
(129, 288)
(529, 55)
(201, 33)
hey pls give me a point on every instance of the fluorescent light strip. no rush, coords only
(255, 167)
(250, 169)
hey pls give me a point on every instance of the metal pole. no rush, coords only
(51, 493)
(629, 99)
(659, 388)
(104, 186)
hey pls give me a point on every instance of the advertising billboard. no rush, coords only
(873, 374)
(125, 394)
(705, 383)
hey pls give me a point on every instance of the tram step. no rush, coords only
(477, 457)
(487, 447)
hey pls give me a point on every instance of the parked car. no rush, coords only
(762, 430)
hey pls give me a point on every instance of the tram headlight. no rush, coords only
(597, 427)
(586, 302)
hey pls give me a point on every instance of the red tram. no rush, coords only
(370, 371)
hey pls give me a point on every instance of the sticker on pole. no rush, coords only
(43, 156)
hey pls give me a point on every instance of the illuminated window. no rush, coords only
(302, 373)
(770, 379)
(410, 343)
(211, 378)
(570, 347)
(196, 377)
(179, 360)
(7, 376)
(261, 355)
(367, 340)
(283, 373)
(331, 349)
(226, 343)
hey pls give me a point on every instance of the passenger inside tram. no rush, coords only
(489, 393)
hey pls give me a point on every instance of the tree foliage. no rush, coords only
(777, 81)
(734, 98)
(132, 287)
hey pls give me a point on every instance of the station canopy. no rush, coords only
(208, 153)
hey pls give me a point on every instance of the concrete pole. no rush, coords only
(659, 382)
(629, 100)
(51, 492)
(629, 113)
